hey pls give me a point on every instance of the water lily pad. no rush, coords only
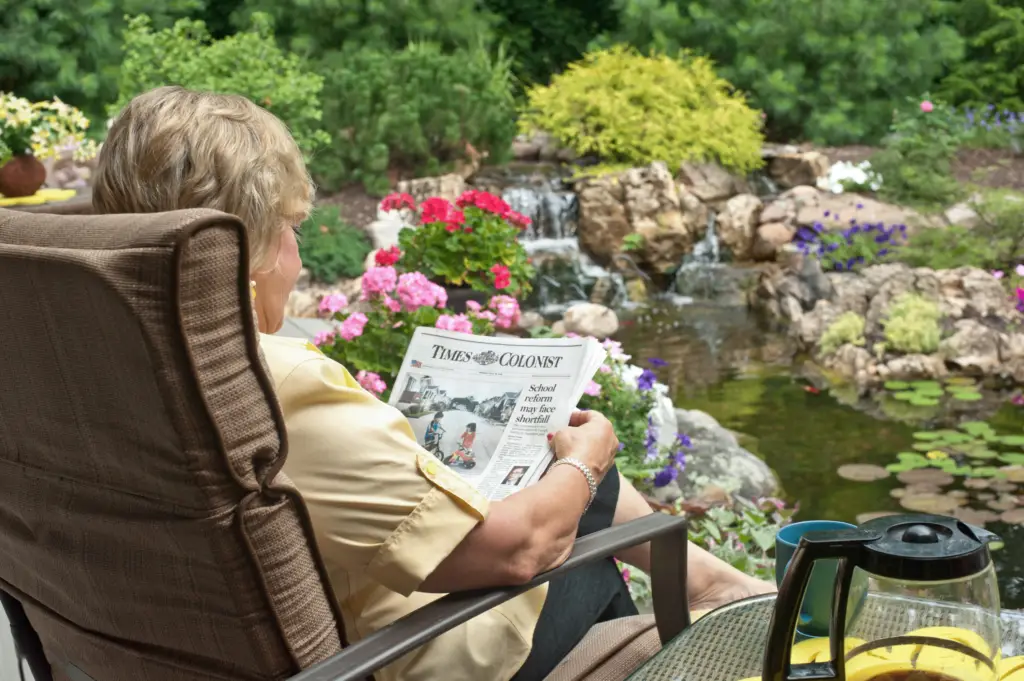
(986, 496)
(1002, 504)
(965, 396)
(927, 435)
(1013, 517)
(898, 492)
(1013, 473)
(912, 457)
(929, 503)
(924, 446)
(896, 385)
(980, 452)
(1003, 485)
(984, 472)
(925, 476)
(862, 472)
(959, 493)
(905, 395)
(975, 516)
(873, 515)
(978, 483)
(1013, 458)
(923, 401)
(961, 380)
(1012, 440)
(925, 385)
(900, 467)
(954, 437)
(976, 428)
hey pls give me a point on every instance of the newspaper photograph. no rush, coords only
(484, 405)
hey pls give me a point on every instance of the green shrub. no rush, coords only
(992, 72)
(824, 70)
(248, 64)
(330, 248)
(630, 110)
(944, 248)
(912, 325)
(915, 161)
(412, 111)
(847, 328)
(1002, 225)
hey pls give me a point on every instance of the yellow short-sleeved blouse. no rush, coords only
(385, 515)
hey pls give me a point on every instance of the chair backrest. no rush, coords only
(145, 524)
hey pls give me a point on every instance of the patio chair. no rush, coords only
(147, 532)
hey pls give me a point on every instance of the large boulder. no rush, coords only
(737, 224)
(717, 460)
(590, 319)
(644, 201)
(835, 211)
(770, 237)
(710, 182)
(800, 168)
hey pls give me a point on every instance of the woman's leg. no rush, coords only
(710, 581)
(581, 598)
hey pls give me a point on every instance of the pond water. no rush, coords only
(724, 362)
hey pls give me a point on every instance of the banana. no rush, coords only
(1010, 669)
(817, 649)
(965, 636)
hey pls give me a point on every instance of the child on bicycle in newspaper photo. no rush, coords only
(463, 456)
(432, 436)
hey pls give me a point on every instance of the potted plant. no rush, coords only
(371, 336)
(32, 132)
(471, 248)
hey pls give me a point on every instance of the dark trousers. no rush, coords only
(581, 598)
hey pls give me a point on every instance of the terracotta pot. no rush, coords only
(21, 176)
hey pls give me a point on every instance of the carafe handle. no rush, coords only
(845, 546)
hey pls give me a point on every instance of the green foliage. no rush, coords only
(993, 71)
(824, 70)
(915, 162)
(632, 242)
(413, 110)
(1002, 226)
(631, 110)
(743, 535)
(330, 248)
(546, 35)
(317, 28)
(72, 49)
(949, 247)
(912, 325)
(848, 328)
(248, 64)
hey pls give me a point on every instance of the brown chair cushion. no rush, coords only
(144, 521)
(610, 651)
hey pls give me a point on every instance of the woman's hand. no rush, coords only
(589, 438)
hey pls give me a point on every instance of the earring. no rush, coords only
(252, 289)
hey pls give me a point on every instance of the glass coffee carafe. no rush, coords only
(915, 599)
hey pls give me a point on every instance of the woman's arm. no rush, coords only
(533, 530)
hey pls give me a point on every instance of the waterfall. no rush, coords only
(565, 274)
(700, 270)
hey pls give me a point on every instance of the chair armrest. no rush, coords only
(668, 552)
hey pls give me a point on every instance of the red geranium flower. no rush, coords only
(387, 257)
(502, 277)
(484, 201)
(397, 202)
(435, 209)
(519, 220)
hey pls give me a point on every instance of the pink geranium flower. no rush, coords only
(333, 302)
(593, 389)
(352, 327)
(458, 322)
(371, 382)
(377, 280)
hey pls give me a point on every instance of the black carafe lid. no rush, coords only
(923, 548)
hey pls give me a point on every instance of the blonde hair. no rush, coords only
(173, 148)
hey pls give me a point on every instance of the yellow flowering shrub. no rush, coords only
(44, 129)
(630, 110)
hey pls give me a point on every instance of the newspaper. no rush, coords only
(484, 406)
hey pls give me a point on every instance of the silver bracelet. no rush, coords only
(582, 468)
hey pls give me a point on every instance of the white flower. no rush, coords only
(844, 172)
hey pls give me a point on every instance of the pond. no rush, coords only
(723, 362)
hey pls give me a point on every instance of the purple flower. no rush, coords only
(684, 440)
(646, 380)
(666, 475)
(657, 362)
(651, 440)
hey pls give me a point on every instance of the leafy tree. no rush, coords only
(825, 70)
(546, 35)
(249, 64)
(316, 27)
(993, 71)
(72, 48)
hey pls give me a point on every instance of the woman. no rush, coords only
(396, 528)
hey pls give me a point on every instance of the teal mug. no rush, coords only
(816, 609)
